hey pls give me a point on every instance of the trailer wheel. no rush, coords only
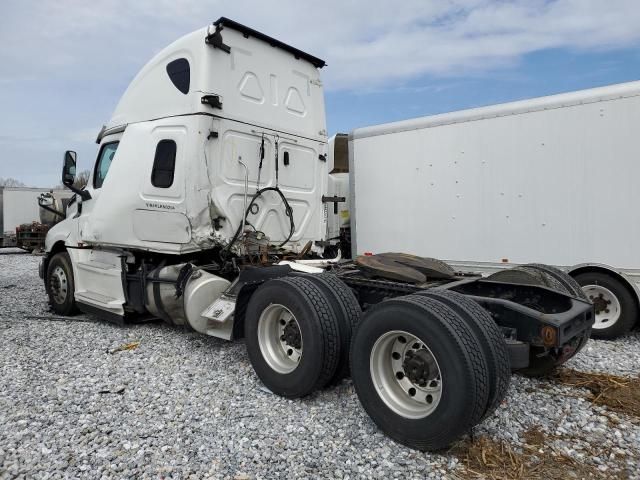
(292, 336)
(490, 337)
(419, 371)
(60, 285)
(347, 310)
(615, 307)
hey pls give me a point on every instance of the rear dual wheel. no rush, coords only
(421, 372)
(298, 331)
(347, 310)
(489, 336)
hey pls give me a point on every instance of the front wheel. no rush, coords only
(60, 285)
(615, 308)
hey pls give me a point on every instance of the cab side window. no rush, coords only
(164, 164)
(105, 158)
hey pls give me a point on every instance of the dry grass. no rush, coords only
(487, 458)
(538, 459)
(620, 394)
(126, 347)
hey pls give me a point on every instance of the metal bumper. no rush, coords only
(536, 315)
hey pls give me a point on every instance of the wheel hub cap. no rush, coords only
(606, 305)
(418, 366)
(291, 335)
(58, 284)
(406, 374)
(600, 303)
(280, 338)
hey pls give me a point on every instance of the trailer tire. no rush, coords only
(348, 312)
(490, 337)
(60, 285)
(601, 288)
(395, 388)
(292, 336)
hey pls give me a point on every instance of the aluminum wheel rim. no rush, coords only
(276, 326)
(607, 305)
(397, 386)
(59, 285)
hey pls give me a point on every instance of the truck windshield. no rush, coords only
(105, 158)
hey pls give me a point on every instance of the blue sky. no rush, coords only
(65, 63)
(537, 74)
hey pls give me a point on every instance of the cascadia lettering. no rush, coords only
(160, 205)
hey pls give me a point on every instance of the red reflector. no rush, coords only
(368, 254)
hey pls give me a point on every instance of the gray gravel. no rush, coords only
(186, 406)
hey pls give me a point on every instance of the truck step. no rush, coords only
(97, 298)
(99, 267)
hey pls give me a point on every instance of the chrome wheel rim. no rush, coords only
(59, 285)
(406, 374)
(606, 305)
(280, 338)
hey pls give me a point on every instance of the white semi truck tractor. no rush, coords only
(209, 206)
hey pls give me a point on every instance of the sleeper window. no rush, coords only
(164, 164)
(180, 74)
(105, 158)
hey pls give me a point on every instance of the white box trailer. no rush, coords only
(19, 206)
(550, 180)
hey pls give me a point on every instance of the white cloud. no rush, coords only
(64, 63)
(366, 43)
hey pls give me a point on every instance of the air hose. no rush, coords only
(288, 213)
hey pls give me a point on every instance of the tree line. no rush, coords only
(81, 181)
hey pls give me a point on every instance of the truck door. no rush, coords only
(161, 216)
(138, 190)
(106, 154)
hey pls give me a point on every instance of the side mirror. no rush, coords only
(69, 174)
(69, 168)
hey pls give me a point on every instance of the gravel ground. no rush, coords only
(186, 406)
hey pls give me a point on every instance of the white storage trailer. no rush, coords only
(209, 207)
(551, 180)
(19, 206)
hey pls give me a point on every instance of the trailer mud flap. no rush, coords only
(518, 354)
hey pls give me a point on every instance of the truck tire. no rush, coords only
(571, 287)
(490, 337)
(347, 310)
(419, 371)
(526, 275)
(292, 336)
(60, 285)
(615, 307)
(541, 363)
(567, 281)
